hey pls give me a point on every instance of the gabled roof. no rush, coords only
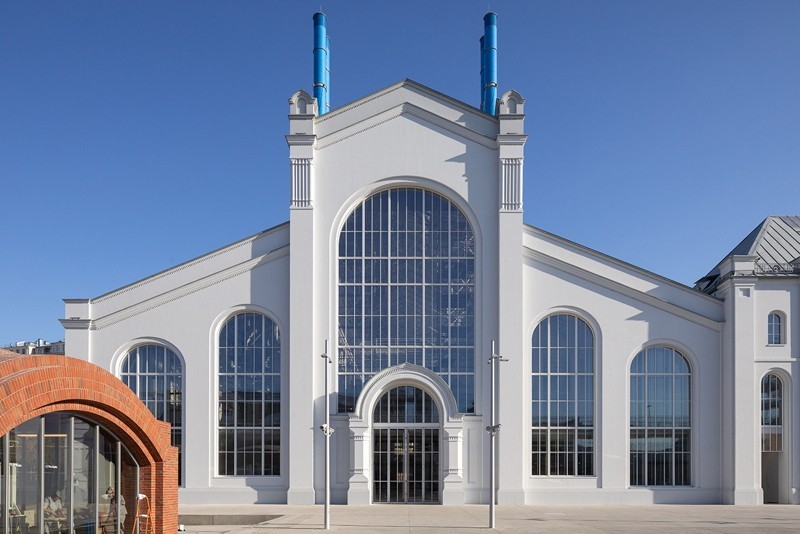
(405, 97)
(774, 242)
(407, 83)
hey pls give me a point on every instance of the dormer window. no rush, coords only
(775, 329)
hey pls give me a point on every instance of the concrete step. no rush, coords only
(224, 519)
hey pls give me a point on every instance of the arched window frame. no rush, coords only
(237, 355)
(135, 378)
(776, 326)
(544, 459)
(772, 416)
(645, 434)
(359, 361)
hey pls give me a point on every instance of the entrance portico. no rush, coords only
(437, 430)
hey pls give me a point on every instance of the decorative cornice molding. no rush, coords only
(406, 373)
(301, 139)
(397, 111)
(76, 324)
(185, 265)
(189, 288)
(628, 291)
(582, 249)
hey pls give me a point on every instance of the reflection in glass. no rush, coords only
(57, 428)
(84, 494)
(771, 414)
(562, 397)
(406, 459)
(249, 396)
(660, 418)
(774, 330)
(48, 474)
(108, 502)
(155, 374)
(406, 292)
(24, 472)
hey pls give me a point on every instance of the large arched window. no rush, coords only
(406, 292)
(155, 374)
(771, 414)
(774, 329)
(562, 409)
(660, 418)
(249, 396)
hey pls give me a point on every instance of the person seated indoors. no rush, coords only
(54, 511)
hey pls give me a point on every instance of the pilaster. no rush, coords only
(511, 375)
(303, 380)
(453, 471)
(741, 419)
(360, 489)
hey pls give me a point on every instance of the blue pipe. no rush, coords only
(320, 60)
(327, 74)
(490, 62)
(483, 72)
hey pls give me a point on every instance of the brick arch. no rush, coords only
(32, 386)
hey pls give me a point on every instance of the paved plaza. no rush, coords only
(474, 518)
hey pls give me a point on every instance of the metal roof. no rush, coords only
(776, 244)
(774, 241)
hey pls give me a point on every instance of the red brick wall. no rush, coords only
(35, 385)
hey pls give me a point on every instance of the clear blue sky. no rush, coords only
(137, 135)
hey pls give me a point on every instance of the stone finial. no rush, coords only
(511, 103)
(302, 103)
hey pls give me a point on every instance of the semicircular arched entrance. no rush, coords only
(36, 386)
(406, 440)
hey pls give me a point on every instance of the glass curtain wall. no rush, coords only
(56, 469)
(406, 292)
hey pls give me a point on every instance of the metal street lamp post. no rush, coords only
(327, 431)
(493, 429)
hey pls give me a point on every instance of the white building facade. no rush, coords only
(406, 252)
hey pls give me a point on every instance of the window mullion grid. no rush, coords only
(549, 413)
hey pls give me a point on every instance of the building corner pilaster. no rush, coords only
(302, 331)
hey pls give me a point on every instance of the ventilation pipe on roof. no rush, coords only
(327, 73)
(483, 70)
(321, 65)
(489, 63)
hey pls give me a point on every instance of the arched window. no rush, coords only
(771, 413)
(406, 292)
(775, 329)
(562, 409)
(660, 420)
(155, 374)
(249, 396)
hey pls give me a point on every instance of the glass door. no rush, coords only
(406, 465)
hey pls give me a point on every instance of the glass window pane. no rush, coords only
(660, 418)
(562, 393)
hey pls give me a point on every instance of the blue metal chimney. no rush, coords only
(483, 70)
(327, 73)
(320, 61)
(489, 57)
